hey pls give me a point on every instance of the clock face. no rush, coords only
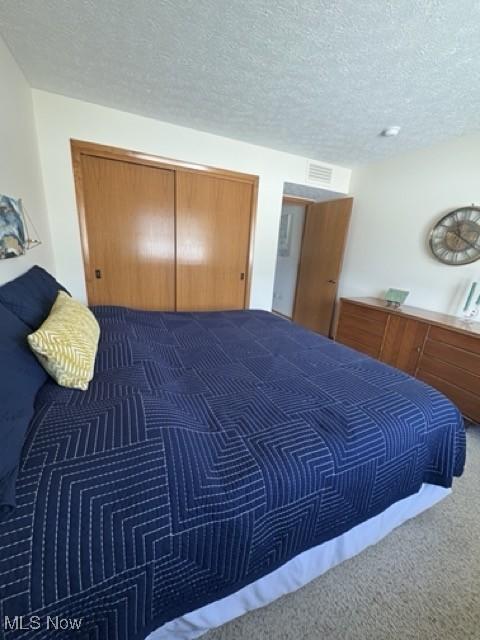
(455, 239)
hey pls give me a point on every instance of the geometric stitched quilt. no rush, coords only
(209, 449)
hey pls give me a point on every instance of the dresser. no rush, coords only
(439, 349)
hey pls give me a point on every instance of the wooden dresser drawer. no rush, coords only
(449, 372)
(450, 362)
(361, 328)
(460, 358)
(458, 340)
(370, 316)
(468, 403)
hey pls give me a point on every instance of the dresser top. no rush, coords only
(432, 317)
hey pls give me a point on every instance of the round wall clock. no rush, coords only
(455, 239)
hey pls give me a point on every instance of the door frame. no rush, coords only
(286, 199)
(297, 200)
(81, 148)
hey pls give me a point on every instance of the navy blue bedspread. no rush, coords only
(209, 449)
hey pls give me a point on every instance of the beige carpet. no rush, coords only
(422, 582)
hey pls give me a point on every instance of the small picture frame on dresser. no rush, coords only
(396, 297)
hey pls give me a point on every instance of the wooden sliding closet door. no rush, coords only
(129, 218)
(324, 236)
(213, 235)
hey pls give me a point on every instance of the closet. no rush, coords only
(213, 234)
(162, 235)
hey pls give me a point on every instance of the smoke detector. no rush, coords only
(390, 132)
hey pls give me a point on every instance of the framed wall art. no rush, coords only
(13, 242)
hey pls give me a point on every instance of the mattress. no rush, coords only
(209, 450)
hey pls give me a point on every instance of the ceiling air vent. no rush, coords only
(319, 174)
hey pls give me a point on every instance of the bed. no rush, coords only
(216, 461)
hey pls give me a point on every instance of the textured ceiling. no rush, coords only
(319, 78)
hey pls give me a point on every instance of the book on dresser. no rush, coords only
(439, 349)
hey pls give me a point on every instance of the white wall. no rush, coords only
(59, 119)
(20, 175)
(287, 266)
(396, 203)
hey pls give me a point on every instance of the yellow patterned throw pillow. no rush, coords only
(66, 343)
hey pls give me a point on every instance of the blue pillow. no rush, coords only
(31, 296)
(21, 376)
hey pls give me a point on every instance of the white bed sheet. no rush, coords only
(300, 570)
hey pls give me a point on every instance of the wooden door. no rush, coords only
(324, 236)
(403, 343)
(213, 237)
(129, 222)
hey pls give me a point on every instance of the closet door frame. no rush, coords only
(81, 148)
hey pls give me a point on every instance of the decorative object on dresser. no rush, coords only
(396, 297)
(455, 239)
(469, 310)
(437, 348)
